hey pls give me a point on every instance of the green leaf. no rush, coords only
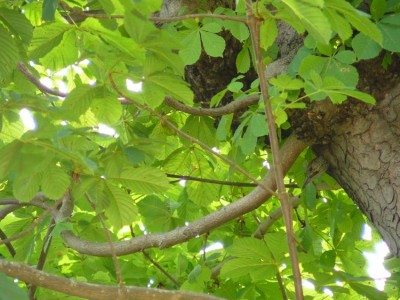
(238, 30)
(79, 100)
(259, 270)
(121, 210)
(157, 214)
(359, 20)
(201, 128)
(172, 86)
(327, 259)
(138, 26)
(107, 110)
(213, 44)
(312, 18)
(46, 38)
(243, 60)
(8, 157)
(62, 55)
(8, 54)
(368, 291)
(26, 187)
(365, 47)
(55, 182)
(203, 193)
(10, 289)
(249, 247)
(378, 9)
(268, 33)
(391, 38)
(144, 180)
(49, 9)
(339, 24)
(212, 27)
(192, 50)
(17, 23)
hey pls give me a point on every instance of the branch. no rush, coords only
(289, 152)
(90, 290)
(272, 218)
(213, 112)
(28, 74)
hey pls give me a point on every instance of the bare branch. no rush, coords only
(213, 112)
(90, 290)
(289, 152)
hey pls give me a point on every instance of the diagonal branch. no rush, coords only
(290, 150)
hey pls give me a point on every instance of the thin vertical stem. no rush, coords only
(254, 27)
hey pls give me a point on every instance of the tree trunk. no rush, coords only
(364, 158)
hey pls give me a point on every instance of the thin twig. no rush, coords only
(110, 242)
(43, 255)
(254, 26)
(156, 264)
(9, 246)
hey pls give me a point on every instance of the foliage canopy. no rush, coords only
(105, 137)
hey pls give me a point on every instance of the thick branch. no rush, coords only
(289, 152)
(89, 290)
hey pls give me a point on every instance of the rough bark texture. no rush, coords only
(364, 156)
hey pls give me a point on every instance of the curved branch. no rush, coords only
(90, 290)
(289, 152)
(213, 112)
(32, 78)
(273, 217)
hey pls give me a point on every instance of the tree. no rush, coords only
(172, 199)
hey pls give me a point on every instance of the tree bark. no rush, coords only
(364, 158)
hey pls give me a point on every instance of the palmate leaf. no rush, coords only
(312, 19)
(143, 180)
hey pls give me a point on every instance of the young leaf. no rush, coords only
(213, 44)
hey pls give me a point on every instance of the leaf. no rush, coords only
(46, 38)
(339, 24)
(203, 193)
(138, 26)
(391, 38)
(79, 100)
(312, 19)
(213, 44)
(17, 23)
(55, 182)
(49, 9)
(259, 270)
(25, 187)
(268, 33)
(368, 291)
(108, 110)
(157, 214)
(238, 30)
(378, 9)
(243, 60)
(8, 54)
(144, 180)
(192, 50)
(10, 289)
(359, 20)
(364, 47)
(249, 247)
(120, 210)
(201, 128)
(62, 55)
(172, 86)
(8, 156)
